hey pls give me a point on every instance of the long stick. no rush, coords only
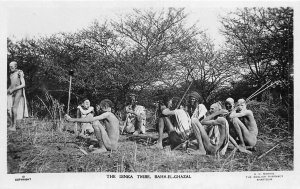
(258, 90)
(69, 94)
(261, 90)
(268, 151)
(184, 134)
(184, 94)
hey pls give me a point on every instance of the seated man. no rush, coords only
(233, 123)
(244, 125)
(175, 122)
(107, 132)
(195, 108)
(135, 117)
(212, 133)
(85, 110)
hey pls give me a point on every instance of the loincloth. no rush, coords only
(214, 137)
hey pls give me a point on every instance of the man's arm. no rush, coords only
(241, 114)
(87, 119)
(168, 112)
(22, 85)
(208, 120)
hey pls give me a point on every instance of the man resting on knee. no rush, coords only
(107, 132)
(168, 120)
(212, 133)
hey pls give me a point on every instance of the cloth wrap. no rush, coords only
(214, 136)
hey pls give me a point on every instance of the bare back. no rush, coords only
(111, 124)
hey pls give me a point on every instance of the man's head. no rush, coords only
(86, 103)
(106, 105)
(229, 104)
(194, 97)
(173, 103)
(13, 66)
(241, 104)
(215, 107)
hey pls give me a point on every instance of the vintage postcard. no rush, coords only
(147, 94)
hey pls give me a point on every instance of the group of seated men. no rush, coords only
(211, 130)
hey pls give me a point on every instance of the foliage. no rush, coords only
(262, 39)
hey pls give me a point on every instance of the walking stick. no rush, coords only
(71, 73)
(184, 134)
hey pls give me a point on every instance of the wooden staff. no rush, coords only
(71, 73)
(184, 94)
(184, 134)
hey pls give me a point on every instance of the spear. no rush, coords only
(71, 73)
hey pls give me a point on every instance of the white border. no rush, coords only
(200, 180)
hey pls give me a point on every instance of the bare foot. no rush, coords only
(244, 150)
(195, 152)
(157, 146)
(136, 133)
(99, 150)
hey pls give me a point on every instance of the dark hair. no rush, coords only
(85, 100)
(106, 103)
(175, 103)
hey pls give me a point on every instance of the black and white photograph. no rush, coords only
(132, 93)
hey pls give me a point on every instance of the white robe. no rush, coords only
(22, 111)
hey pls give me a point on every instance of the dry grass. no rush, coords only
(38, 148)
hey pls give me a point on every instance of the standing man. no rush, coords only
(135, 117)
(16, 100)
(195, 107)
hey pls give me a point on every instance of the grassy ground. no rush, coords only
(37, 147)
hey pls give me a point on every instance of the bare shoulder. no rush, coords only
(248, 112)
(221, 120)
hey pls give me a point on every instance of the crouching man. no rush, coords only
(212, 133)
(107, 132)
(244, 125)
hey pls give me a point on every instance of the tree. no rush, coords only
(262, 39)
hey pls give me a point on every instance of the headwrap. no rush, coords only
(195, 95)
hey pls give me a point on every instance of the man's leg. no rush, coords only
(137, 126)
(86, 127)
(103, 139)
(161, 126)
(205, 139)
(248, 138)
(16, 101)
(78, 115)
(198, 137)
(236, 124)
